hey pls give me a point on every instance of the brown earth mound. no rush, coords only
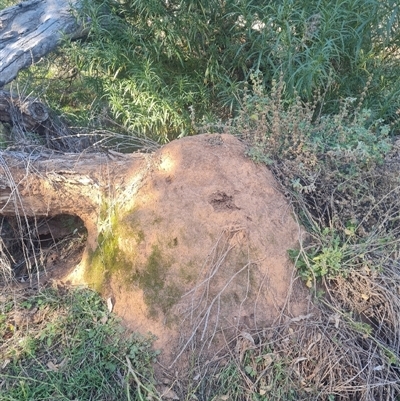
(195, 251)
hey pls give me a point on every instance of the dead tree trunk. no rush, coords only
(32, 29)
(47, 181)
(28, 112)
(52, 184)
(29, 115)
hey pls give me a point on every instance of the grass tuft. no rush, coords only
(60, 344)
(340, 172)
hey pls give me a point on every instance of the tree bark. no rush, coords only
(49, 184)
(28, 112)
(29, 115)
(32, 29)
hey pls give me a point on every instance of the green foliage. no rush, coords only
(161, 68)
(296, 131)
(7, 3)
(327, 260)
(73, 348)
(333, 167)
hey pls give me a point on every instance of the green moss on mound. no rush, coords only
(111, 259)
(159, 295)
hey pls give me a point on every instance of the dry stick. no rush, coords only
(25, 250)
(245, 296)
(205, 295)
(388, 301)
(383, 293)
(28, 170)
(215, 268)
(318, 370)
(247, 293)
(215, 324)
(260, 287)
(377, 204)
(213, 271)
(215, 299)
(5, 265)
(17, 200)
(226, 230)
(139, 383)
(212, 266)
(207, 314)
(373, 339)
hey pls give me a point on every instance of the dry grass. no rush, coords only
(346, 349)
(340, 173)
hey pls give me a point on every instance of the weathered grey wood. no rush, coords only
(29, 115)
(32, 29)
(26, 111)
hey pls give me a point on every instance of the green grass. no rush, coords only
(64, 345)
(7, 3)
(162, 69)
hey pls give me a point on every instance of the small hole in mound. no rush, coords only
(221, 201)
(32, 248)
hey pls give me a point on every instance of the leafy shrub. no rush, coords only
(341, 173)
(333, 166)
(157, 67)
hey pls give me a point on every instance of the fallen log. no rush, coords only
(32, 29)
(50, 184)
(29, 115)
